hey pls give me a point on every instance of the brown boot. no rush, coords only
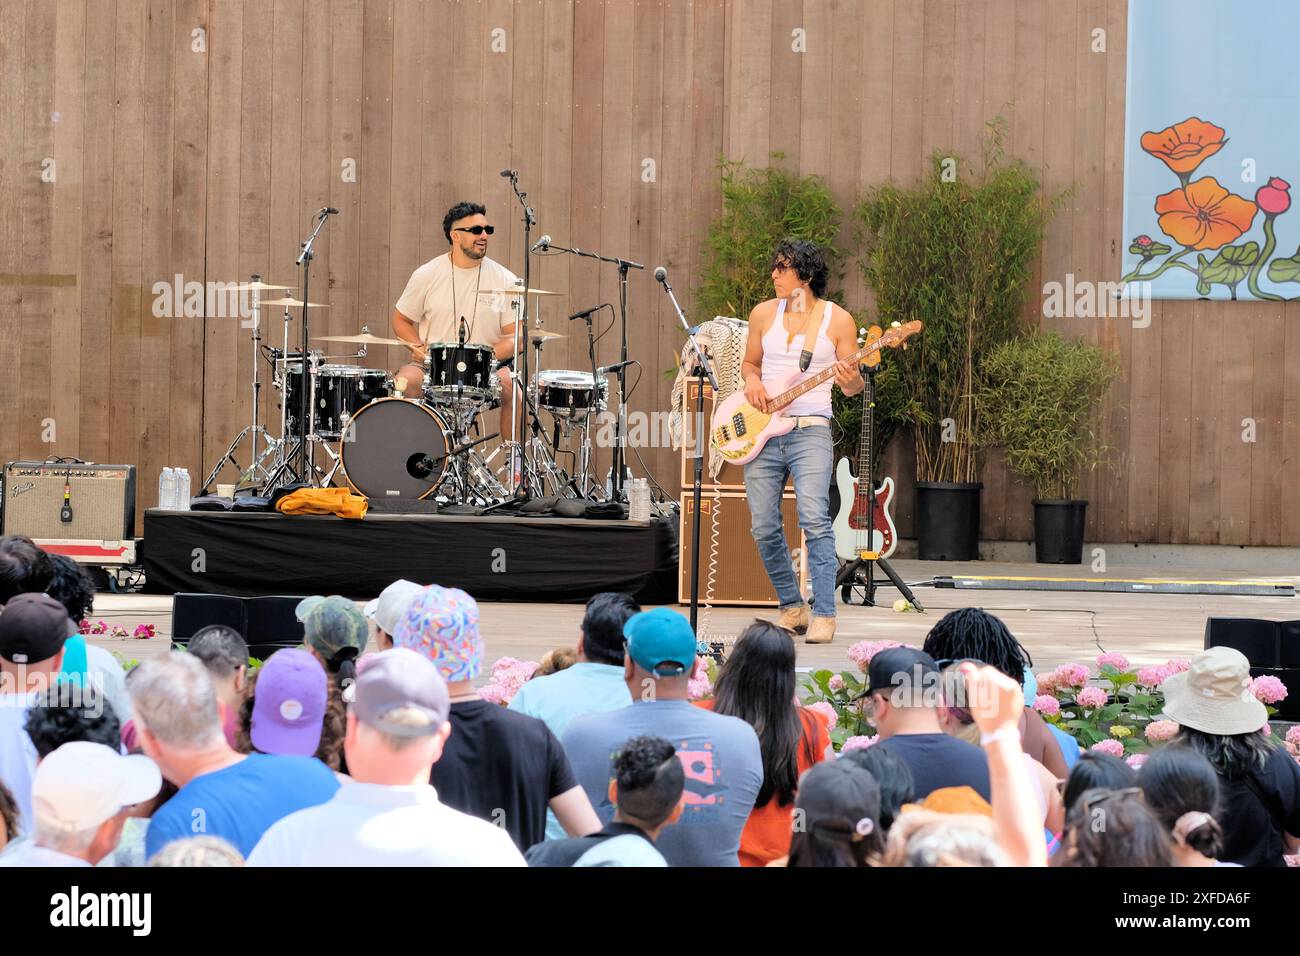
(821, 631)
(795, 619)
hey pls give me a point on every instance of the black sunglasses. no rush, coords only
(477, 230)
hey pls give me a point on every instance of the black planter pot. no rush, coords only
(948, 520)
(1058, 531)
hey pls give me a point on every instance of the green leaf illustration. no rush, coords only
(1285, 270)
(1149, 251)
(1230, 266)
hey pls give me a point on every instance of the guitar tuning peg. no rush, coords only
(896, 325)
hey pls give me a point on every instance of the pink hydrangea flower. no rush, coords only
(1152, 675)
(1092, 697)
(1136, 760)
(1047, 705)
(143, 631)
(494, 694)
(1268, 689)
(508, 675)
(1117, 661)
(860, 742)
(1071, 675)
(1293, 736)
(1112, 747)
(699, 686)
(1159, 731)
(821, 707)
(1177, 665)
(836, 682)
(862, 652)
(1046, 683)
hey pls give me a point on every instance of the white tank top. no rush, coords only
(780, 359)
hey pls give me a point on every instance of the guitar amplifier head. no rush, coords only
(100, 499)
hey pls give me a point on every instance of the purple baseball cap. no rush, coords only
(289, 704)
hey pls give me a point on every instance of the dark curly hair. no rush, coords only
(807, 260)
(8, 815)
(333, 727)
(460, 211)
(72, 587)
(23, 567)
(972, 633)
(650, 780)
(51, 724)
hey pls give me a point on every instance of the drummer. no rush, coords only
(441, 301)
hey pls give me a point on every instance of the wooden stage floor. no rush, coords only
(1055, 626)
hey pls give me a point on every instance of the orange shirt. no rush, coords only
(766, 836)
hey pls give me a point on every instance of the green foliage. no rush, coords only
(850, 718)
(1035, 398)
(761, 206)
(957, 254)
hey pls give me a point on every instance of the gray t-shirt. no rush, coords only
(724, 771)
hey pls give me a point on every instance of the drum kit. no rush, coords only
(384, 445)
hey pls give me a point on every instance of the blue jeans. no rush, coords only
(805, 453)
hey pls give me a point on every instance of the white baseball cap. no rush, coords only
(82, 784)
(387, 609)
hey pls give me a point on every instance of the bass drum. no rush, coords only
(393, 449)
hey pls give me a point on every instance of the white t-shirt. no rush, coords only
(367, 824)
(29, 854)
(17, 755)
(427, 300)
(107, 674)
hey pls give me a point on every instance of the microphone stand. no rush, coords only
(304, 260)
(523, 491)
(620, 425)
(703, 371)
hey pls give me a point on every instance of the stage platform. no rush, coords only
(494, 557)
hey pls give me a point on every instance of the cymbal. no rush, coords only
(538, 335)
(292, 302)
(260, 286)
(365, 338)
(513, 292)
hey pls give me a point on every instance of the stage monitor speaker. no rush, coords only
(1272, 647)
(267, 624)
(739, 578)
(95, 524)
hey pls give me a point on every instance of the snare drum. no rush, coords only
(568, 394)
(341, 392)
(459, 374)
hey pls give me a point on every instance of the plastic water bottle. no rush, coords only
(167, 489)
(183, 492)
(638, 499)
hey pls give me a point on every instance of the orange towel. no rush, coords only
(323, 501)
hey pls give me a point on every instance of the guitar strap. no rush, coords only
(805, 357)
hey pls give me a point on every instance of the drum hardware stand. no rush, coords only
(620, 424)
(287, 451)
(307, 467)
(859, 571)
(256, 471)
(703, 372)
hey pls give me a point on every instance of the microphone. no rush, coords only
(661, 275)
(606, 369)
(510, 173)
(586, 314)
(329, 211)
(542, 244)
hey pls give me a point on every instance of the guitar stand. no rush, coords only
(860, 572)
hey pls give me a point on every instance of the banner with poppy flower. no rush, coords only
(1211, 150)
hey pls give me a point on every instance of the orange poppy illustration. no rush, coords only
(1204, 215)
(1184, 146)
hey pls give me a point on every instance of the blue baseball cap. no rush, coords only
(661, 641)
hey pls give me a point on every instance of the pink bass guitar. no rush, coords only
(739, 430)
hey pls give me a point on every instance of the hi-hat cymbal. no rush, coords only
(260, 286)
(365, 338)
(517, 292)
(539, 335)
(292, 302)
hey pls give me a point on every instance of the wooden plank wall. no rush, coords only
(197, 137)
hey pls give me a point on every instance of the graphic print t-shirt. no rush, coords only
(724, 772)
